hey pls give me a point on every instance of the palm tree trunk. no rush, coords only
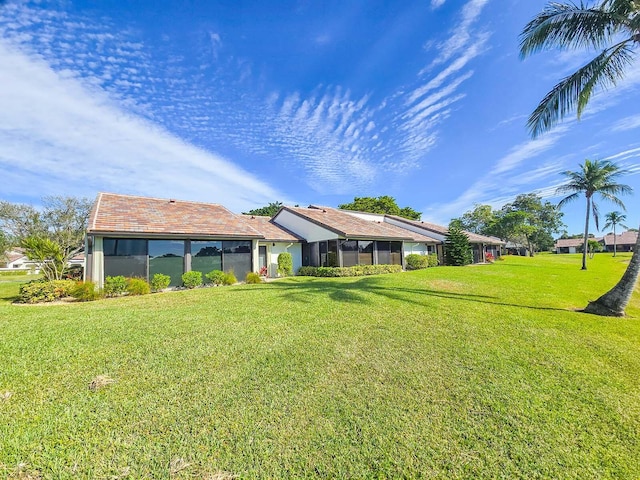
(614, 302)
(614, 239)
(586, 235)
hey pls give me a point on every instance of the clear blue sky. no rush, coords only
(245, 103)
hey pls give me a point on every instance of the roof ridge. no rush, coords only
(165, 199)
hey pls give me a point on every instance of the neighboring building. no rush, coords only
(15, 259)
(480, 244)
(624, 241)
(340, 238)
(568, 245)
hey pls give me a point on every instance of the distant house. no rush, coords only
(15, 259)
(624, 241)
(568, 245)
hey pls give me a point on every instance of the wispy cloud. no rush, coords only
(58, 130)
(437, 3)
(627, 123)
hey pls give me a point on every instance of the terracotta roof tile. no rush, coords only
(624, 238)
(126, 214)
(442, 230)
(351, 226)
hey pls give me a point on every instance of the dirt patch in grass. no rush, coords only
(100, 381)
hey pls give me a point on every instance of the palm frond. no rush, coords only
(567, 25)
(568, 199)
(574, 91)
(612, 198)
(595, 211)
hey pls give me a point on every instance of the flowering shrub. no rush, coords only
(263, 271)
(489, 258)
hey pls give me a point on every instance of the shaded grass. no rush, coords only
(476, 372)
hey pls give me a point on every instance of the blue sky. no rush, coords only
(246, 103)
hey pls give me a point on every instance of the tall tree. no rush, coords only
(594, 177)
(480, 220)
(457, 249)
(268, 211)
(51, 235)
(381, 205)
(614, 25)
(613, 219)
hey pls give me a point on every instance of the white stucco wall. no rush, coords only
(414, 228)
(369, 217)
(303, 228)
(273, 251)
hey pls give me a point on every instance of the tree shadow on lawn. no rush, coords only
(355, 292)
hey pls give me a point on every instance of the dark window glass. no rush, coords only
(384, 253)
(167, 257)
(306, 255)
(206, 256)
(365, 252)
(237, 257)
(396, 253)
(125, 256)
(349, 253)
(322, 246)
(332, 254)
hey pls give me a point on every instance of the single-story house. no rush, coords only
(139, 237)
(340, 238)
(15, 259)
(480, 244)
(568, 245)
(625, 241)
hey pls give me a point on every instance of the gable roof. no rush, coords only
(128, 214)
(270, 230)
(624, 238)
(569, 242)
(442, 230)
(350, 226)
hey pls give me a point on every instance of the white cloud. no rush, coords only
(627, 123)
(437, 3)
(59, 135)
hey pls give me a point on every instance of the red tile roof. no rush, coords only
(354, 227)
(271, 231)
(127, 214)
(624, 238)
(442, 230)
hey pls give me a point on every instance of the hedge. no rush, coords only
(357, 271)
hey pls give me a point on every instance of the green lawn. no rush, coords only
(477, 372)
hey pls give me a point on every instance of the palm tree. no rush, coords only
(614, 25)
(597, 176)
(613, 219)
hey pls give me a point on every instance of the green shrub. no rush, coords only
(138, 286)
(160, 281)
(114, 286)
(38, 291)
(356, 271)
(253, 277)
(457, 249)
(285, 264)
(229, 278)
(216, 277)
(192, 279)
(413, 261)
(85, 292)
(432, 260)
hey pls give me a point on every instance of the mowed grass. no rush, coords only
(476, 372)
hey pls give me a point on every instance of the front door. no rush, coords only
(262, 259)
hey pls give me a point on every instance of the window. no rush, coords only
(125, 256)
(206, 256)
(384, 253)
(167, 257)
(236, 256)
(349, 253)
(396, 253)
(332, 254)
(365, 252)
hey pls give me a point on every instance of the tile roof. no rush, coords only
(624, 238)
(127, 214)
(354, 227)
(569, 242)
(270, 230)
(442, 230)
